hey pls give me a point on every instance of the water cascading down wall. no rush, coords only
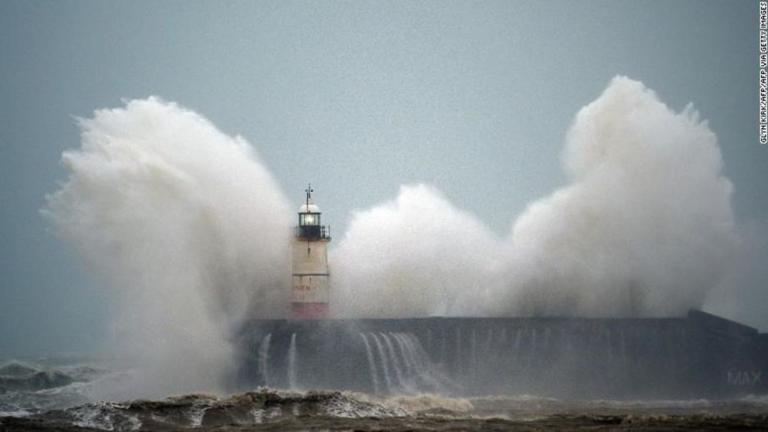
(565, 357)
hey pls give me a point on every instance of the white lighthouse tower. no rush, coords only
(310, 264)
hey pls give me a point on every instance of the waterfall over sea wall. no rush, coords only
(561, 357)
(292, 382)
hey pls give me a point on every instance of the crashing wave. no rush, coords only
(88, 384)
(18, 376)
(282, 409)
(199, 410)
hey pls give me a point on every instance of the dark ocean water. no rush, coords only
(68, 398)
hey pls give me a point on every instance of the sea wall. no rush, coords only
(694, 356)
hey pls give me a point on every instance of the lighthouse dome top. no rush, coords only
(309, 208)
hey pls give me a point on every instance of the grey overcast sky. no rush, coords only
(358, 97)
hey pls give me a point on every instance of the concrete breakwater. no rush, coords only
(699, 355)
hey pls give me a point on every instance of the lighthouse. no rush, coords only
(310, 263)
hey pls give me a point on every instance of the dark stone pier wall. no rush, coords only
(700, 355)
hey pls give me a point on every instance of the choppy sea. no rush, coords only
(57, 396)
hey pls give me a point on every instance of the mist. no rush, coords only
(190, 233)
(187, 230)
(643, 228)
(415, 256)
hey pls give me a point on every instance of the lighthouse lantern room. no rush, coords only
(310, 264)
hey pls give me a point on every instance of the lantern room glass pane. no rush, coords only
(309, 219)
